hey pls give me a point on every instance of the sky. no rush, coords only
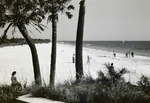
(104, 20)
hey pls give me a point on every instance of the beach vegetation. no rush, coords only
(79, 41)
(99, 90)
(19, 14)
(20, 41)
(144, 84)
(53, 8)
(8, 93)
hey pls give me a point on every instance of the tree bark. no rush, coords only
(4, 36)
(53, 51)
(79, 41)
(37, 74)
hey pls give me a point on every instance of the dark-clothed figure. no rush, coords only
(111, 69)
(112, 72)
(73, 58)
(132, 54)
(126, 54)
(88, 59)
(14, 80)
(114, 53)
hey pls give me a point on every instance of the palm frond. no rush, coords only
(65, 1)
(49, 19)
(69, 15)
(56, 17)
(35, 27)
(107, 65)
(41, 27)
(2, 22)
(70, 7)
(123, 71)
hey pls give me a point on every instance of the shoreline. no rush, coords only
(116, 46)
(110, 53)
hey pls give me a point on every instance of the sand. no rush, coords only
(18, 58)
(29, 99)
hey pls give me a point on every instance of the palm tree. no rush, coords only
(79, 41)
(17, 14)
(53, 8)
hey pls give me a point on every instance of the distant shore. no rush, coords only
(20, 41)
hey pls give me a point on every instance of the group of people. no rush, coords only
(128, 54)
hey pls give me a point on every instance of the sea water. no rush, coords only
(141, 48)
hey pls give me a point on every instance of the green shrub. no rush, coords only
(7, 93)
(100, 90)
(144, 84)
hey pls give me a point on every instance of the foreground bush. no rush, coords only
(104, 89)
(86, 91)
(8, 93)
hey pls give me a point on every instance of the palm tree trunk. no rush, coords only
(53, 51)
(4, 36)
(79, 41)
(37, 74)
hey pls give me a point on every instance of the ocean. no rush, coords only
(141, 48)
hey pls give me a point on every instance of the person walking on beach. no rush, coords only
(132, 54)
(127, 54)
(88, 59)
(73, 58)
(14, 81)
(114, 53)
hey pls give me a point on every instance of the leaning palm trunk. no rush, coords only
(53, 52)
(37, 74)
(79, 41)
(5, 32)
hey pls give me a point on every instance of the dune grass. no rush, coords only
(7, 92)
(104, 89)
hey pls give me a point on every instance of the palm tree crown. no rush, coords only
(25, 12)
(53, 7)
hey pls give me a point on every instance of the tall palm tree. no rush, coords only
(79, 41)
(18, 14)
(53, 8)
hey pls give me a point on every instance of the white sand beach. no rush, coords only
(18, 58)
